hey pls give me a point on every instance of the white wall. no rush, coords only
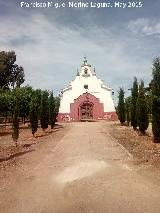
(76, 88)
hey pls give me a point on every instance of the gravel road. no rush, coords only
(86, 172)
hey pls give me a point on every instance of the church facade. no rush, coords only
(86, 98)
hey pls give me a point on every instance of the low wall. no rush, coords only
(67, 117)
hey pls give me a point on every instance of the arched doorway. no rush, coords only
(78, 108)
(86, 111)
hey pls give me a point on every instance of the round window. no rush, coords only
(86, 86)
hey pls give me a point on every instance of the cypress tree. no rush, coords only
(44, 110)
(51, 111)
(57, 104)
(15, 125)
(149, 99)
(134, 96)
(121, 106)
(155, 85)
(38, 94)
(128, 109)
(142, 110)
(34, 114)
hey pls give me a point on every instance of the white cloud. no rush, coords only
(145, 26)
(51, 52)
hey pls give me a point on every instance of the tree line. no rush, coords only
(37, 106)
(143, 105)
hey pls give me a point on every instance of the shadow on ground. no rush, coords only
(15, 155)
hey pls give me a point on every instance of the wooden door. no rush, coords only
(86, 111)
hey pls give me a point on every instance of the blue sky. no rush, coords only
(50, 43)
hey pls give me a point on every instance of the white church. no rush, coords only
(86, 98)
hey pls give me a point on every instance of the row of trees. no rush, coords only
(36, 106)
(143, 105)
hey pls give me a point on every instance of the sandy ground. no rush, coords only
(142, 147)
(80, 169)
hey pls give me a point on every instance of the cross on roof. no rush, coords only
(85, 60)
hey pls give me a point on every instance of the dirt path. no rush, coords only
(86, 172)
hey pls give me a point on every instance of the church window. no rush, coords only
(86, 86)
